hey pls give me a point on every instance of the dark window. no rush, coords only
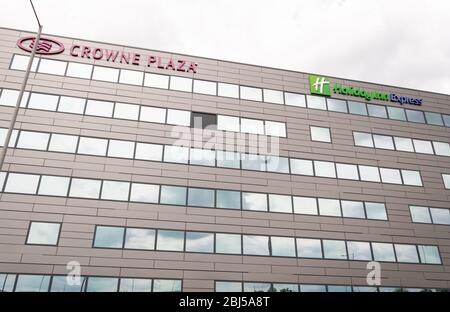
(203, 120)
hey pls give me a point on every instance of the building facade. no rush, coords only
(138, 170)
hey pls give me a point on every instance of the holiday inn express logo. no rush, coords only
(320, 85)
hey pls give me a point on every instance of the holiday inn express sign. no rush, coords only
(320, 85)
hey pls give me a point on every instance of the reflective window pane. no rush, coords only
(376, 211)
(32, 283)
(54, 186)
(228, 243)
(446, 120)
(140, 239)
(52, 67)
(359, 251)
(320, 134)
(377, 111)
(353, 209)
(63, 143)
(280, 203)
(199, 242)
(316, 102)
(339, 288)
(422, 146)
(131, 77)
(228, 159)
(440, 216)
(170, 240)
(105, 74)
(329, 207)
(411, 177)
(228, 90)
(275, 128)
(305, 205)
(383, 141)
(122, 149)
(115, 190)
(257, 287)
(22, 183)
(324, 169)
(253, 162)
(283, 246)
(406, 253)
(173, 195)
(441, 148)
(357, 108)
(144, 193)
(85, 188)
(200, 197)
(178, 117)
(403, 144)
(446, 179)
(390, 176)
(156, 81)
(346, 171)
(102, 284)
(249, 93)
(109, 237)
(228, 199)
(309, 248)
(99, 108)
(254, 201)
(276, 287)
(176, 154)
(273, 96)
(164, 285)
(33, 140)
(383, 252)
(429, 254)
(146, 151)
(180, 84)
(396, 113)
(135, 285)
(228, 123)
(92, 146)
(369, 173)
(43, 233)
(252, 126)
(295, 99)
(415, 116)
(256, 245)
(302, 167)
(313, 288)
(337, 105)
(9, 98)
(202, 157)
(434, 119)
(363, 139)
(79, 70)
(20, 62)
(205, 87)
(43, 101)
(420, 214)
(68, 284)
(277, 164)
(126, 111)
(228, 286)
(334, 249)
(71, 105)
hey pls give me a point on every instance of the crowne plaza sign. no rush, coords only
(47, 46)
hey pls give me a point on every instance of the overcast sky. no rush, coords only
(402, 42)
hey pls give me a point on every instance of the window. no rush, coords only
(249, 93)
(329, 207)
(254, 201)
(162, 285)
(295, 99)
(359, 251)
(280, 203)
(256, 245)
(2, 179)
(126, 111)
(115, 190)
(420, 214)
(415, 116)
(377, 111)
(9, 98)
(204, 120)
(121, 149)
(277, 129)
(446, 120)
(180, 84)
(33, 140)
(156, 81)
(144, 193)
(146, 151)
(324, 169)
(205, 87)
(173, 195)
(396, 113)
(12, 141)
(276, 287)
(102, 284)
(440, 216)
(383, 252)
(153, 114)
(79, 70)
(404, 144)
(283, 246)
(228, 159)
(71, 105)
(140, 239)
(105, 74)
(320, 134)
(109, 237)
(228, 123)
(363, 139)
(346, 171)
(131, 77)
(337, 105)
(411, 178)
(383, 141)
(228, 199)
(273, 96)
(178, 117)
(305, 205)
(253, 162)
(313, 288)
(228, 243)
(99, 108)
(135, 285)
(20, 62)
(368, 173)
(446, 179)
(422, 146)
(176, 154)
(22, 183)
(52, 67)
(42, 233)
(43, 101)
(390, 176)
(63, 143)
(316, 102)
(228, 286)
(309, 248)
(277, 164)
(54, 186)
(170, 240)
(32, 283)
(353, 209)
(228, 90)
(376, 211)
(199, 242)
(339, 288)
(85, 188)
(61, 284)
(257, 287)
(201, 197)
(357, 108)
(302, 167)
(441, 148)
(334, 249)
(429, 254)
(252, 126)
(406, 253)
(92, 146)
(434, 119)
